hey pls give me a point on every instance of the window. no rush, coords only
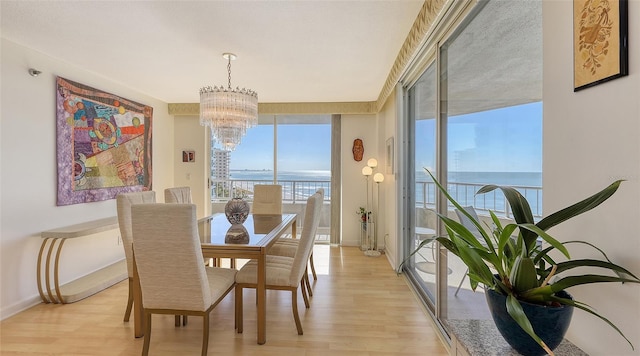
(304, 155)
(291, 150)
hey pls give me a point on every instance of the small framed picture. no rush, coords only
(389, 167)
(188, 156)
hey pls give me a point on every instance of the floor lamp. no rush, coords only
(372, 163)
(377, 178)
(367, 172)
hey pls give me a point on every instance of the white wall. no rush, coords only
(28, 182)
(189, 135)
(388, 193)
(591, 138)
(353, 182)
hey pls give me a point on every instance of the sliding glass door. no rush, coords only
(421, 207)
(474, 118)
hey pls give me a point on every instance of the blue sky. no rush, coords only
(300, 147)
(502, 140)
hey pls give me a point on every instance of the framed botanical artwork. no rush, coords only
(103, 144)
(600, 42)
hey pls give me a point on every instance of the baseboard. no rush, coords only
(19, 307)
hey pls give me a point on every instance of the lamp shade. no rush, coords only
(378, 177)
(372, 162)
(367, 171)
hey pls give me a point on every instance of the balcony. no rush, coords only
(464, 193)
(294, 198)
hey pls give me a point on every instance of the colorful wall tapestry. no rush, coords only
(104, 144)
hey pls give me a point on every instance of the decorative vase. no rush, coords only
(550, 323)
(237, 211)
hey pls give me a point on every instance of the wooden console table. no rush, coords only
(53, 240)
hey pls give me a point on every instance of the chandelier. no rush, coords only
(228, 112)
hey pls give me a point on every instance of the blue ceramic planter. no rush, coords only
(549, 323)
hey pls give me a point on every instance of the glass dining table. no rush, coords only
(251, 240)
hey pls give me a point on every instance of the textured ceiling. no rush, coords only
(288, 51)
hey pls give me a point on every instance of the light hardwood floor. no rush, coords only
(360, 307)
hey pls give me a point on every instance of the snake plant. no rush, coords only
(512, 261)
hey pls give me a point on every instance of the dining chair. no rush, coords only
(178, 195)
(267, 199)
(124, 201)
(288, 246)
(181, 284)
(284, 273)
(182, 195)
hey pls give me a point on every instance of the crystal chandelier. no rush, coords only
(228, 112)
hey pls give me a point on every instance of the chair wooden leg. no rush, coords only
(305, 278)
(304, 293)
(127, 312)
(294, 304)
(184, 320)
(205, 334)
(239, 310)
(177, 322)
(232, 263)
(313, 268)
(147, 333)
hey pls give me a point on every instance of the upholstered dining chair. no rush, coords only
(178, 195)
(182, 195)
(284, 273)
(124, 201)
(267, 199)
(287, 247)
(181, 284)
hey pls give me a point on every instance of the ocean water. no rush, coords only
(529, 179)
(296, 185)
(318, 175)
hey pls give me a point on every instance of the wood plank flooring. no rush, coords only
(360, 307)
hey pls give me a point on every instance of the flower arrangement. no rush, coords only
(364, 214)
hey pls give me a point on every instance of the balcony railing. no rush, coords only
(464, 193)
(293, 191)
(296, 191)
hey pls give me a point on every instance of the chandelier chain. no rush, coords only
(229, 71)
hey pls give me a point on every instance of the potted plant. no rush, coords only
(519, 272)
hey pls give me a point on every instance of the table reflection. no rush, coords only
(237, 234)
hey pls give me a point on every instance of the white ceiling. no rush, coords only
(288, 51)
